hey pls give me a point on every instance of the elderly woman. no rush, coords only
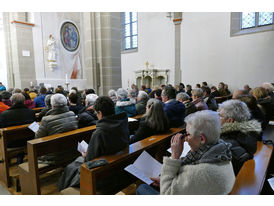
(124, 104)
(153, 122)
(240, 131)
(59, 119)
(205, 170)
(185, 99)
(197, 96)
(113, 95)
(142, 99)
(87, 116)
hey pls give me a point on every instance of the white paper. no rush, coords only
(82, 147)
(34, 126)
(144, 167)
(271, 122)
(132, 120)
(271, 182)
(185, 151)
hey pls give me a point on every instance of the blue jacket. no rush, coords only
(2, 88)
(40, 101)
(175, 112)
(127, 106)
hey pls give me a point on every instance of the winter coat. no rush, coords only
(141, 106)
(3, 107)
(211, 177)
(111, 135)
(211, 103)
(76, 108)
(190, 107)
(175, 112)
(42, 113)
(17, 114)
(40, 100)
(243, 137)
(86, 118)
(57, 120)
(29, 104)
(145, 131)
(126, 105)
(267, 104)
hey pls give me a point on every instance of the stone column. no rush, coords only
(177, 23)
(20, 54)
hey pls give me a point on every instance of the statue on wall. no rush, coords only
(51, 49)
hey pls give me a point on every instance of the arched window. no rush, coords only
(130, 32)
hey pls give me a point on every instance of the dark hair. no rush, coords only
(75, 88)
(204, 83)
(169, 92)
(189, 86)
(143, 87)
(181, 86)
(213, 87)
(250, 100)
(158, 92)
(43, 90)
(0, 98)
(206, 89)
(223, 84)
(26, 90)
(198, 85)
(73, 98)
(89, 91)
(17, 90)
(26, 95)
(105, 105)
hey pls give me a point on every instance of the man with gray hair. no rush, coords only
(142, 99)
(18, 113)
(239, 130)
(197, 96)
(185, 99)
(113, 95)
(59, 119)
(124, 104)
(87, 116)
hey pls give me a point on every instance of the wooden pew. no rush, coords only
(29, 172)
(138, 117)
(251, 177)
(8, 135)
(156, 145)
(38, 109)
(222, 99)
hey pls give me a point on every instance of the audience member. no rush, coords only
(238, 130)
(87, 116)
(113, 95)
(111, 135)
(16, 90)
(188, 90)
(205, 170)
(247, 88)
(157, 94)
(124, 104)
(132, 95)
(148, 89)
(142, 99)
(221, 89)
(227, 90)
(6, 98)
(40, 99)
(154, 121)
(214, 92)
(28, 102)
(238, 93)
(185, 99)
(174, 109)
(32, 94)
(3, 107)
(204, 84)
(74, 104)
(209, 99)
(44, 111)
(57, 120)
(198, 86)
(2, 87)
(197, 96)
(143, 88)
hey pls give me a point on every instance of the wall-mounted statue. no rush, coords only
(51, 49)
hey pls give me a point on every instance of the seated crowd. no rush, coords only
(221, 136)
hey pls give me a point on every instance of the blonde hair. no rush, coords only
(259, 92)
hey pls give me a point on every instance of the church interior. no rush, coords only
(102, 60)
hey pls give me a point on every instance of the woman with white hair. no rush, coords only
(113, 95)
(87, 116)
(239, 130)
(205, 170)
(142, 99)
(124, 104)
(57, 120)
(153, 122)
(185, 99)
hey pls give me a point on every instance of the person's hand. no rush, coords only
(156, 181)
(177, 145)
(84, 154)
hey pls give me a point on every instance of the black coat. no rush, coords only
(17, 114)
(243, 137)
(86, 118)
(145, 131)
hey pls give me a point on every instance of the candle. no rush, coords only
(31, 84)
(66, 78)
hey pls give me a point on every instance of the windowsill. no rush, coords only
(253, 30)
(129, 51)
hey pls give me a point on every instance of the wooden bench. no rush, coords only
(8, 135)
(38, 109)
(29, 172)
(156, 145)
(251, 177)
(222, 99)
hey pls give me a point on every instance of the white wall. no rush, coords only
(3, 63)
(155, 45)
(210, 54)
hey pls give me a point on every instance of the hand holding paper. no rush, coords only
(82, 147)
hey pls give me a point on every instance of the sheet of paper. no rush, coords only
(271, 182)
(132, 120)
(82, 147)
(137, 173)
(34, 126)
(185, 151)
(145, 167)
